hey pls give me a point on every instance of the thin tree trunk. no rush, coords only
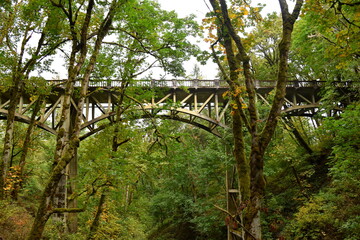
(67, 143)
(300, 139)
(259, 140)
(9, 135)
(21, 72)
(25, 147)
(95, 223)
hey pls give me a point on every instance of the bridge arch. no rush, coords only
(197, 102)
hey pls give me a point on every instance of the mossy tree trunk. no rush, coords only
(250, 169)
(25, 148)
(20, 73)
(95, 223)
(68, 142)
(9, 134)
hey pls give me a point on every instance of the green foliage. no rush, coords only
(326, 41)
(14, 221)
(191, 184)
(315, 220)
(266, 37)
(146, 37)
(333, 212)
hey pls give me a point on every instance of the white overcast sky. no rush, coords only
(199, 8)
(185, 8)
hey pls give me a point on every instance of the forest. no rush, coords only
(277, 168)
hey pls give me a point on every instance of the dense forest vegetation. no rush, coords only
(298, 176)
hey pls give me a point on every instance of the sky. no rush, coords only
(184, 8)
(199, 7)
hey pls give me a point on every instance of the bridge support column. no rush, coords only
(71, 174)
(64, 197)
(216, 106)
(233, 201)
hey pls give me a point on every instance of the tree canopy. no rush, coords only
(272, 175)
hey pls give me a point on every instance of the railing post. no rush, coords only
(257, 83)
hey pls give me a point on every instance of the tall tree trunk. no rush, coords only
(95, 223)
(9, 133)
(259, 140)
(25, 147)
(21, 71)
(68, 142)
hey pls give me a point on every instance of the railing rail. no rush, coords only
(197, 83)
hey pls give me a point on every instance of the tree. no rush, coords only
(68, 138)
(326, 40)
(250, 170)
(120, 20)
(264, 47)
(20, 56)
(333, 211)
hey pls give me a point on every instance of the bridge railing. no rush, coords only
(175, 83)
(198, 83)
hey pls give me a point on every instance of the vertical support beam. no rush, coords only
(60, 197)
(21, 103)
(216, 106)
(294, 99)
(209, 109)
(93, 113)
(233, 199)
(174, 96)
(69, 181)
(313, 98)
(109, 103)
(195, 102)
(87, 106)
(72, 170)
(53, 118)
(174, 101)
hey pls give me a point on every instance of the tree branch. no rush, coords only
(234, 217)
(66, 210)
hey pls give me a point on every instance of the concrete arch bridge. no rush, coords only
(197, 102)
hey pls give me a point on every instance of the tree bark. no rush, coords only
(68, 142)
(25, 147)
(95, 223)
(21, 71)
(252, 169)
(9, 135)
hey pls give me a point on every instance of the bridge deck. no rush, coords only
(198, 102)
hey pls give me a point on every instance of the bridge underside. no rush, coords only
(203, 107)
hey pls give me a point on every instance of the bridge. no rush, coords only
(201, 103)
